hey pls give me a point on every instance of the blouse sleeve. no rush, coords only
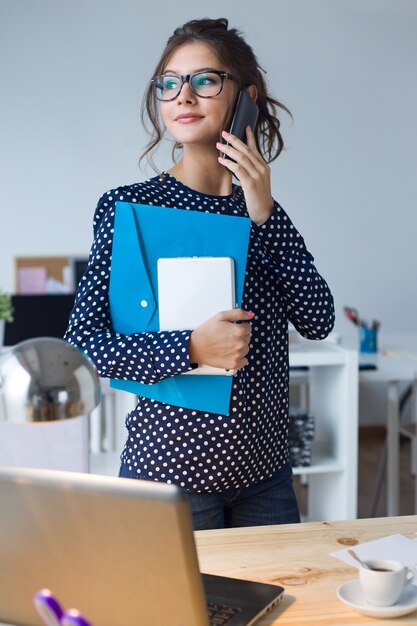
(143, 357)
(307, 297)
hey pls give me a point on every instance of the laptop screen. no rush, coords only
(121, 551)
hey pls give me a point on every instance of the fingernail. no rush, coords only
(225, 133)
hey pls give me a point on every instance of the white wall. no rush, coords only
(72, 77)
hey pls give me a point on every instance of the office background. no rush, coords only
(72, 79)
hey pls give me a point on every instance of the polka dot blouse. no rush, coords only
(205, 452)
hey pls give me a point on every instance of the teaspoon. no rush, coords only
(355, 556)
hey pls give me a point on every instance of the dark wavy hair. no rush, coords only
(235, 54)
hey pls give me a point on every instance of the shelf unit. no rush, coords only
(333, 400)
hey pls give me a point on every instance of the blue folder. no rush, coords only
(142, 234)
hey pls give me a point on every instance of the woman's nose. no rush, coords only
(186, 95)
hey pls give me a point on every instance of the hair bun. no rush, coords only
(223, 22)
(202, 25)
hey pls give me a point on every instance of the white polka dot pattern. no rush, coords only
(204, 452)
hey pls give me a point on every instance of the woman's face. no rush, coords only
(189, 119)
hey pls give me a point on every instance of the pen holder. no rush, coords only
(368, 340)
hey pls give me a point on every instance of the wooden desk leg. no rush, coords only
(393, 456)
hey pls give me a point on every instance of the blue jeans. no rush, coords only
(270, 501)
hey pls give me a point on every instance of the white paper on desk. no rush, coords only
(62, 445)
(394, 547)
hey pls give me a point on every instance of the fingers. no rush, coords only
(246, 167)
(236, 363)
(240, 160)
(221, 341)
(240, 151)
(241, 364)
(240, 336)
(235, 315)
(250, 138)
(249, 148)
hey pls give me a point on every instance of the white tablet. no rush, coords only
(193, 289)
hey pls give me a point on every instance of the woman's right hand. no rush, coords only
(220, 342)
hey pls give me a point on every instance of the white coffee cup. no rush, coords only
(383, 583)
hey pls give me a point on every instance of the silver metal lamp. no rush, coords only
(46, 379)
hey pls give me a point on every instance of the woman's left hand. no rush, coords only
(253, 173)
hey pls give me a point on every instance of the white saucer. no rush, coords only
(351, 594)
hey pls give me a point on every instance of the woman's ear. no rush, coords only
(253, 92)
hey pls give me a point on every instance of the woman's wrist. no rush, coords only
(261, 217)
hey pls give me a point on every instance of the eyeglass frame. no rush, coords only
(186, 78)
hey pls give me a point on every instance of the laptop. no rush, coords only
(192, 289)
(119, 550)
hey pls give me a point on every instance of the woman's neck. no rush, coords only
(203, 173)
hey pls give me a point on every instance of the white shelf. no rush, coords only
(322, 463)
(332, 379)
(315, 353)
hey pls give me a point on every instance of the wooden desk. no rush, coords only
(296, 556)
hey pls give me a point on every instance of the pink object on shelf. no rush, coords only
(32, 280)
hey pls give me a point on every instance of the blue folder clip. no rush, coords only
(142, 234)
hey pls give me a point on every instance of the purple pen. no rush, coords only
(72, 617)
(48, 607)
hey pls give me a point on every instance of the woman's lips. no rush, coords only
(188, 118)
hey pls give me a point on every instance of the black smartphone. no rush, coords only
(245, 114)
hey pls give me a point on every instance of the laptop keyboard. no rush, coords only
(220, 614)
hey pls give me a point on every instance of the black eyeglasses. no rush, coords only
(203, 84)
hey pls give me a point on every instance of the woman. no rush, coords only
(235, 468)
